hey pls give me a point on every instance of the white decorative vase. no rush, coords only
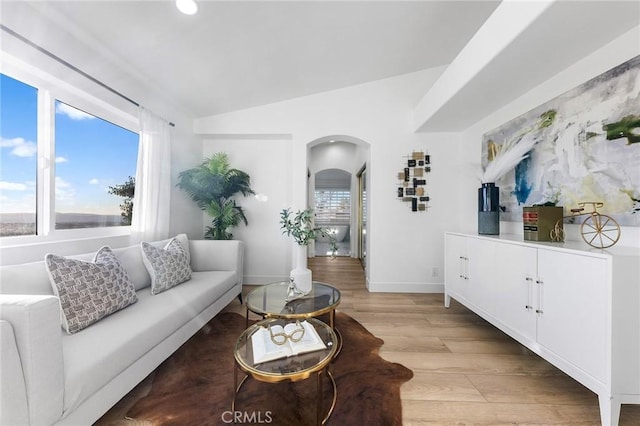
(301, 275)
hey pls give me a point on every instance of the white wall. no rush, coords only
(620, 50)
(338, 155)
(404, 247)
(267, 161)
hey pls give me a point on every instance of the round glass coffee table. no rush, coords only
(269, 301)
(293, 368)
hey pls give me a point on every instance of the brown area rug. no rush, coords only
(195, 385)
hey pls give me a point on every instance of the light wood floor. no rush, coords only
(466, 372)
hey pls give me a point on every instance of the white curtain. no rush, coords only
(152, 197)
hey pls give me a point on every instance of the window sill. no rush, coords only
(66, 235)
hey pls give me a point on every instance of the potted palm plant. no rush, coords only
(212, 185)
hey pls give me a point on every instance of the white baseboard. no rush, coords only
(374, 287)
(395, 287)
(263, 279)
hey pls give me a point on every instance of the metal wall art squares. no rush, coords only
(411, 187)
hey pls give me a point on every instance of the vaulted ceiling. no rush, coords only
(239, 54)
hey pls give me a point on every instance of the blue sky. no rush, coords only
(91, 154)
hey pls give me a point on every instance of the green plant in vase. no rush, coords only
(299, 226)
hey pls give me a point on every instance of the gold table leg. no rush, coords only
(335, 396)
(319, 398)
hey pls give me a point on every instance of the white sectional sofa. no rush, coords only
(51, 377)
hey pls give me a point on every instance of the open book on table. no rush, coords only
(264, 349)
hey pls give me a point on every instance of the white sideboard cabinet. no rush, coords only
(577, 307)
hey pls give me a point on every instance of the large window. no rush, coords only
(62, 166)
(18, 157)
(91, 156)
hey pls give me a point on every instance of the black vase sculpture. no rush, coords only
(488, 209)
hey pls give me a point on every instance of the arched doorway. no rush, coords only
(351, 155)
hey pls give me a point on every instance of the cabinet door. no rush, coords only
(482, 276)
(574, 302)
(455, 268)
(514, 290)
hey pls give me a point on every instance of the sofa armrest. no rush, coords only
(35, 322)
(13, 398)
(217, 255)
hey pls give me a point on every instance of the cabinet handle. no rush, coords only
(539, 310)
(463, 267)
(528, 283)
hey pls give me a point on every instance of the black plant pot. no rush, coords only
(488, 209)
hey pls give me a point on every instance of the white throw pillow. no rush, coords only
(89, 291)
(168, 267)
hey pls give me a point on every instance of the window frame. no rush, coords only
(51, 89)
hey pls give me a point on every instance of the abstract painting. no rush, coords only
(587, 149)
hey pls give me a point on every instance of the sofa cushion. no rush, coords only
(131, 260)
(26, 278)
(89, 291)
(168, 267)
(96, 355)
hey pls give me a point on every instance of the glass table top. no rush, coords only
(269, 300)
(293, 368)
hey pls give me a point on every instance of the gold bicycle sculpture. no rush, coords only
(598, 230)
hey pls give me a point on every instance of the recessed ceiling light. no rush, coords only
(188, 7)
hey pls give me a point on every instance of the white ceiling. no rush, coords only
(238, 54)
(566, 32)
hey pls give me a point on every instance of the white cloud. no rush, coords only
(12, 186)
(94, 181)
(17, 197)
(61, 160)
(72, 113)
(64, 189)
(24, 203)
(61, 183)
(21, 147)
